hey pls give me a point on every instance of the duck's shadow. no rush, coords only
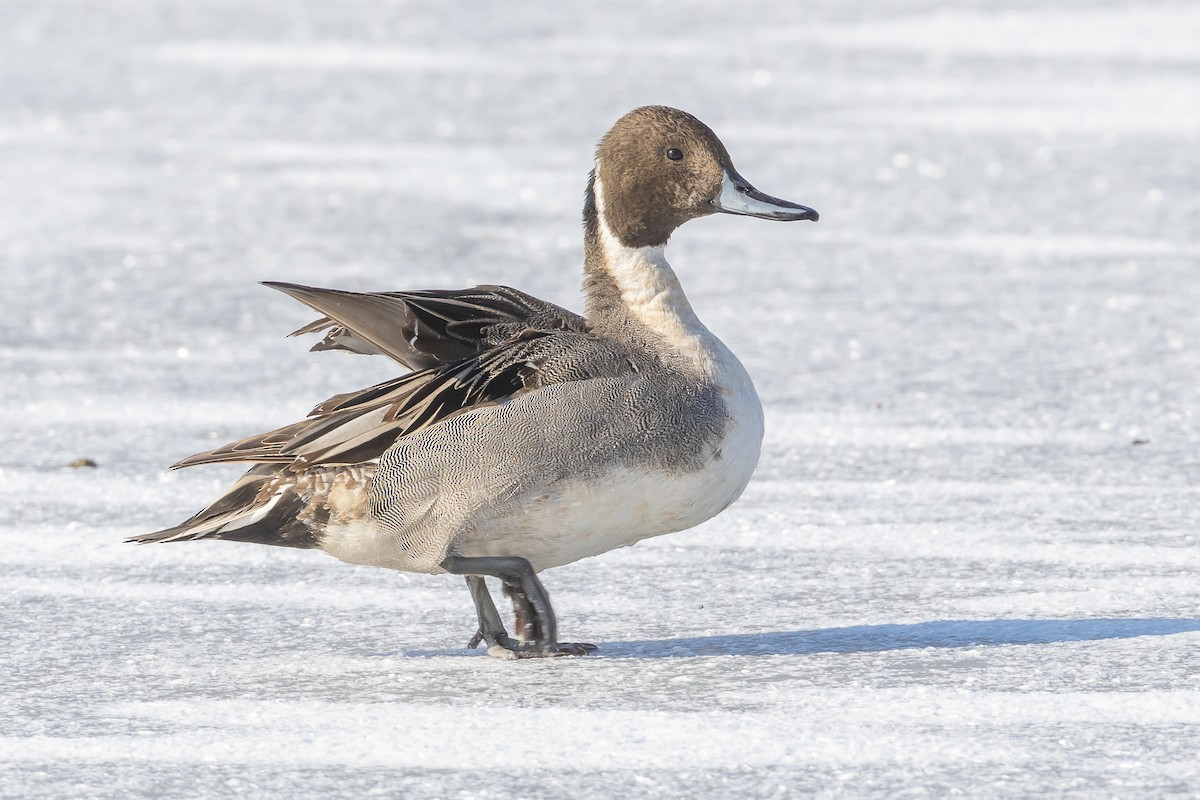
(947, 634)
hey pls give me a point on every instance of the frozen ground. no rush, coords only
(968, 563)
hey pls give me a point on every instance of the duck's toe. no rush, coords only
(501, 652)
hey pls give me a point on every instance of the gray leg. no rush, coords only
(491, 628)
(519, 579)
(524, 620)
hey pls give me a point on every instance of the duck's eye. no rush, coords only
(675, 154)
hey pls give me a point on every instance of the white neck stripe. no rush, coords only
(650, 291)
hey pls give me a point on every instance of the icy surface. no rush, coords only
(968, 563)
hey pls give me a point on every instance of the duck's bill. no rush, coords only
(739, 197)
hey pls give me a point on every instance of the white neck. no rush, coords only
(652, 294)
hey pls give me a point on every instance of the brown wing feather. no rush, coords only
(425, 328)
(356, 427)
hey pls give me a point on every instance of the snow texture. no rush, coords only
(968, 562)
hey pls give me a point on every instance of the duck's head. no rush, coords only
(659, 167)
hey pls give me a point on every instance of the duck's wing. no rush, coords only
(357, 427)
(426, 328)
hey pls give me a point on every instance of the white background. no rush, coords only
(957, 570)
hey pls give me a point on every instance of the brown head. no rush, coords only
(659, 167)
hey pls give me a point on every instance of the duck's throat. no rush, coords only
(636, 285)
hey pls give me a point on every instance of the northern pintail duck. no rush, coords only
(527, 436)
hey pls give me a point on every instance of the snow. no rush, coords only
(968, 561)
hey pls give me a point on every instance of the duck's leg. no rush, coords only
(528, 626)
(491, 627)
(518, 576)
(524, 620)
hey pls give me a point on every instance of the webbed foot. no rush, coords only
(535, 616)
(532, 650)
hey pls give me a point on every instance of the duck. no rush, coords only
(523, 436)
